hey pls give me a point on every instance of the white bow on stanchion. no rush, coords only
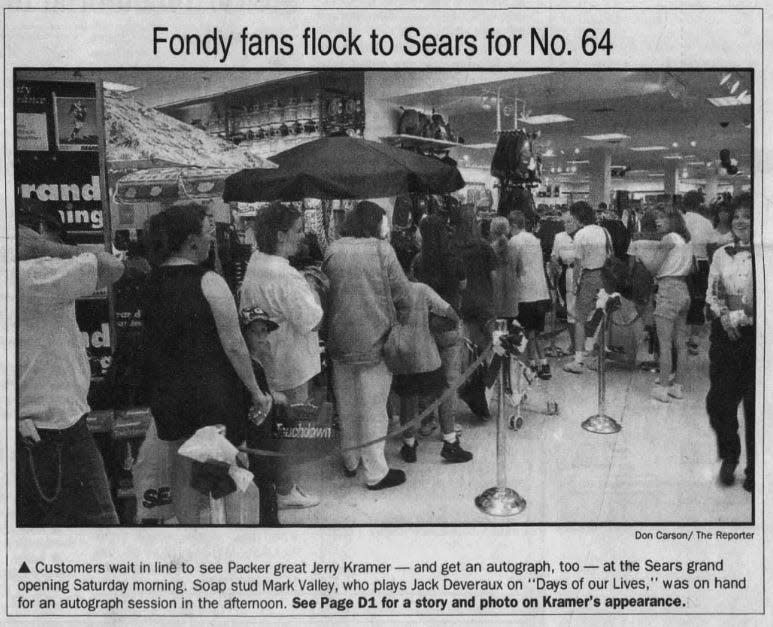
(605, 304)
(501, 500)
(216, 472)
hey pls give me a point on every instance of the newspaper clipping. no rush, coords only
(406, 314)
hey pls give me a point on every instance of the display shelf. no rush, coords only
(420, 144)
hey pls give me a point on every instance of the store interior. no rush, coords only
(600, 136)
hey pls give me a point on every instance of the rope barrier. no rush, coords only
(470, 370)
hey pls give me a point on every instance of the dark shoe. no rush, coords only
(748, 484)
(454, 453)
(544, 372)
(727, 472)
(393, 478)
(349, 473)
(408, 453)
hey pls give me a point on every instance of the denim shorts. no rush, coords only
(672, 299)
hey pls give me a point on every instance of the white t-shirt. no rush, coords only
(54, 373)
(701, 233)
(563, 248)
(526, 252)
(590, 247)
(678, 262)
(290, 354)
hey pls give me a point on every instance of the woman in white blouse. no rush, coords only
(730, 299)
(290, 354)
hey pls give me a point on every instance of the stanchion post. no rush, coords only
(600, 422)
(501, 500)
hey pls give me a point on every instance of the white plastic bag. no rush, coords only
(153, 479)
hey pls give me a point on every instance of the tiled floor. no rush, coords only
(661, 467)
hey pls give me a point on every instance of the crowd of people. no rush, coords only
(212, 357)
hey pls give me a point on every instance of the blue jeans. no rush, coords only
(61, 480)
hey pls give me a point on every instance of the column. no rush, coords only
(671, 176)
(711, 190)
(600, 177)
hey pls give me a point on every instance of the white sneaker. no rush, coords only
(676, 391)
(296, 499)
(660, 393)
(575, 367)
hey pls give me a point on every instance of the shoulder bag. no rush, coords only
(402, 352)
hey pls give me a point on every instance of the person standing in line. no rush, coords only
(479, 261)
(505, 296)
(438, 267)
(562, 258)
(363, 268)
(197, 364)
(701, 234)
(531, 286)
(723, 233)
(672, 300)
(60, 474)
(730, 299)
(289, 355)
(591, 248)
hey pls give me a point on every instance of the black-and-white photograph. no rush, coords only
(76, 123)
(386, 297)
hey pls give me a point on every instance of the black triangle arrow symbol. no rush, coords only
(24, 568)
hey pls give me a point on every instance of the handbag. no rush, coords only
(403, 342)
(615, 275)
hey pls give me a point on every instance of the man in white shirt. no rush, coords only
(60, 475)
(701, 233)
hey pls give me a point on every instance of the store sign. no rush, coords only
(93, 316)
(71, 185)
(57, 162)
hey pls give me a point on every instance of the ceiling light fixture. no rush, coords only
(693, 143)
(726, 78)
(743, 94)
(730, 101)
(606, 137)
(735, 86)
(579, 161)
(547, 118)
(648, 148)
(119, 87)
(672, 156)
(675, 145)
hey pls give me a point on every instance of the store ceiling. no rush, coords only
(652, 108)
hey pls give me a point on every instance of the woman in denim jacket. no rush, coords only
(358, 266)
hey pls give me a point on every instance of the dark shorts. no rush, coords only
(61, 480)
(532, 315)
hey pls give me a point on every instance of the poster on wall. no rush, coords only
(75, 121)
(31, 131)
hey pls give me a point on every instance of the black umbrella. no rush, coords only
(343, 167)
